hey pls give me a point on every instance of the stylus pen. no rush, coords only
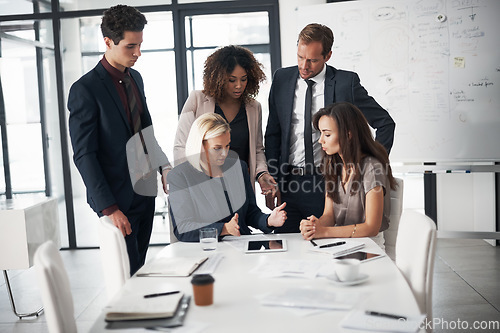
(385, 315)
(332, 244)
(162, 294)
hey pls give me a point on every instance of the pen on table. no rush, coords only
(385, 315)
(313, 243)
(332, 244)
(162, 294)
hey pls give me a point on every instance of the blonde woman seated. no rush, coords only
(231, 81)
(357, 174)
(212, 188)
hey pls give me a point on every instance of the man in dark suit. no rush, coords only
(103, 119)
(300, 184)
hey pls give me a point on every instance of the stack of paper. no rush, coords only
(308, 269)
(309, 298)
(338, 250)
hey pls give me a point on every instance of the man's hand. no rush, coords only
(231, 227)
(121, 222)
(277, 217)
(164, 174)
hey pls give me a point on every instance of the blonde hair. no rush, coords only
(206, 126)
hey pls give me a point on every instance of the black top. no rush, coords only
(239, 132)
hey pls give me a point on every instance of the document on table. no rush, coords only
(133, 306)
(309, 298)
(292, 268)
(178, 266)
(358, 319)
(349, 246)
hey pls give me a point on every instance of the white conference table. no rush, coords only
(237, 307)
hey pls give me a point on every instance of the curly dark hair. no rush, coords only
(355, 140)
(118, 19)
(222, 62)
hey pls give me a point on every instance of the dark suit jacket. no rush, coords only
(197, 201)
(99, 131)
(340, 86)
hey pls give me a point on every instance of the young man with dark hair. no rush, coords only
(107, 108)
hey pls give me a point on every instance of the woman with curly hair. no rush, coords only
(231, 80)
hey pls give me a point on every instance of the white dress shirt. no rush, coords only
(297, 148)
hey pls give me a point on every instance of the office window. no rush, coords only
(93, 4)
(13, 7)
(19, 76)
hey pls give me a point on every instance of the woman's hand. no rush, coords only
(232, 227)
(308, 227)
(277, 217)
(270, 190)
(267, 184)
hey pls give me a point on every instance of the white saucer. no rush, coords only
(362, 278)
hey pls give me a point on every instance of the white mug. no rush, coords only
(347, 269)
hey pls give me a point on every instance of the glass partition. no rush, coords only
(22, 112)
(96, 4)
(27, 64)
(15, 7)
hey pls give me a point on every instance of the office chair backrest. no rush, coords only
(415, 253)
(391, 234)
(173, 238)
(55, 289)
(114, 256)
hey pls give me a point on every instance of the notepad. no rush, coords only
(349, 246)
(130, 306)
(178, 266)
(358, 319)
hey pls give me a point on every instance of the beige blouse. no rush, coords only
(197, 104)
(351, 209)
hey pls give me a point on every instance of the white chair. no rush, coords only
(390, 235)
(114, 256)
(415, 253)
(55, 289)
(173, 238)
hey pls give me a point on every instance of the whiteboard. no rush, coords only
(433, 65)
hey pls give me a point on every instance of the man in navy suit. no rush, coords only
(101, 122)
(301, 186)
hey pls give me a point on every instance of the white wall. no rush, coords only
(289, 32)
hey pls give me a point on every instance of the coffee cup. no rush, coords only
(347, 269)
(203, 289)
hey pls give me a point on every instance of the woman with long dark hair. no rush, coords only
(357, 174)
